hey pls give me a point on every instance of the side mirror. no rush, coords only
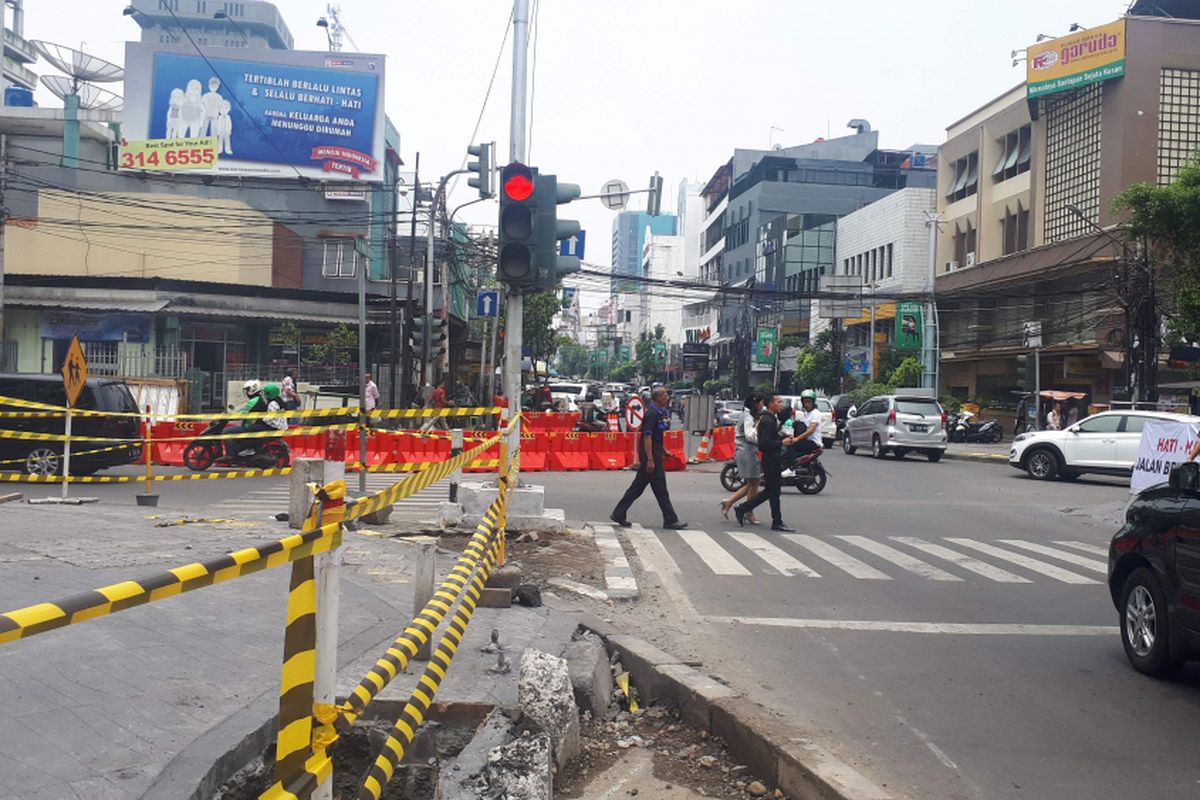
(1185, 477)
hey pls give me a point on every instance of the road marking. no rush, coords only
(842, 561)
(1094, 549)
(968, 563)
(717, 558)
(955, 628)
(656, 560)
(778, 560)
(618, 575)
(1061, 555)
(1049, 570)
(900, 559)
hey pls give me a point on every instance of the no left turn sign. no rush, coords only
(635, 412)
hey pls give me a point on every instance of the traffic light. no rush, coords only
(1025, 377)
(518, 226)
(549, 266)
(483, 168)
(428, 336)
(654, 199)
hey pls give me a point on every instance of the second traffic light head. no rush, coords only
(483, 168)
(550, 267)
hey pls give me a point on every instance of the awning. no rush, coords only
(88, 304)
(720, 340)
(882, 311)
(1051, 394)
(264, 313)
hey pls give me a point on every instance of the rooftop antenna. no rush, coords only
(77, 89)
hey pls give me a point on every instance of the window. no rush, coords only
(966, 177)
(1073, 163)
(201, 6)
(1101, 423)
(1133, 424)
(1178, 120)
(964, 242)
(339, 259)
(1016, 230)
(889, 260)
(1016, 151)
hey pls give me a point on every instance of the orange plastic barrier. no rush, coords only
(549, 421)
(608, 451)
(722, 445)
(535, 449)
(472, 439)
(674, 457)
(569, 451)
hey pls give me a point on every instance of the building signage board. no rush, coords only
(765, 347)
(273, 113)
(116, 327)
(1077, 59)
(909, 322)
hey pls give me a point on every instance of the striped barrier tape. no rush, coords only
(183, 476)
(42, 411)
(417, 466)
(271, 434)
(35, 619)
(74, 453)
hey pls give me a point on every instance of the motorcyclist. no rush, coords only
(807, 425)
(260, 397)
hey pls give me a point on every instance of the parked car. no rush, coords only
(728, 412)
(841, 412)
(1154, 574)
(897, 424)
(45, 457)
(1105, 443)
(579, 392)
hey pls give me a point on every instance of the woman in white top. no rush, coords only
(745, 453)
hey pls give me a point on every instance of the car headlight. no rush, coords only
(1022, 437)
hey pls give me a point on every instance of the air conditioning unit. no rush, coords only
(971, 259)
(951, 266)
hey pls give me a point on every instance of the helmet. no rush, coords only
(251, 388)
(808, 394)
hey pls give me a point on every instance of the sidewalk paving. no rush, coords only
(140, 703)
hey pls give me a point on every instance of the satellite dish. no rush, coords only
(78, 64)
(90, 96)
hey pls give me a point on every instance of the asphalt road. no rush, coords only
(945, 628)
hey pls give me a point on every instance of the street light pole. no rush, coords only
(514, 310)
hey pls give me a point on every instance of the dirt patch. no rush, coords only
(552, 555)
(683, 756)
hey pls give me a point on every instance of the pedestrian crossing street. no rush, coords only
(266, 503)
(952, 559)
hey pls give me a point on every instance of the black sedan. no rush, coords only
(1154, 574)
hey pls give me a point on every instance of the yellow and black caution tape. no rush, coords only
(183, 476)
(267, 434)
(35, 619)
(74, 453)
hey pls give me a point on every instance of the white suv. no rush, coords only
(1106, 443)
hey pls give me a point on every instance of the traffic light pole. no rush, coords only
(426, 348)
(514, 309)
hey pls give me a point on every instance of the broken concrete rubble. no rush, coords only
(545, 696)
(591, 679)
(521, 769)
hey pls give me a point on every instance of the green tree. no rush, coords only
(572, 357)
(622, 372)
(336, 348)
(1167, 219)
(537, 332)
(816, 367)
(907, 374)
(888, 359)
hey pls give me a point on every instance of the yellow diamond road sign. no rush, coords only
(74, 371)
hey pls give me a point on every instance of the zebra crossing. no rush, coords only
(951, 559)
(265, 503)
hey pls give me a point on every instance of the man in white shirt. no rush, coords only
(807, 424)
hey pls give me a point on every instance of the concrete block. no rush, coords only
(545, 696)
(524, 501)
(495, 597)
(304, 471)
(465, 776)
(643, 661)
(552, 520)
(505, 577)
(521, 769)
(693, 692)
(591, 678)
(450, 515)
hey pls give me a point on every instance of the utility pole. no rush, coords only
(929, 337)
(514, 310)
(4, 365)
(393, 311)
(405, 396)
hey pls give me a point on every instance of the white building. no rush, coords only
(690, 213)
(662, 259)
(886, 244)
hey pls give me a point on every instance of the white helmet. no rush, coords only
(251, 388)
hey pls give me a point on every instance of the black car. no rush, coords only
(44, 457)
(1154, 574)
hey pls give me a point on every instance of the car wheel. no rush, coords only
(42, 461)
(1145, 627)
(877, 448)
(847, 448)
(1042, 465)
(934, 456)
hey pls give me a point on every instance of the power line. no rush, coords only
(486, 96)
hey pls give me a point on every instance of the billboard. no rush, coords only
(1077, 59)
(909, 321)
(765, 349)
(273, 113)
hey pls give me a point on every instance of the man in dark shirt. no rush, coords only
(770, 446)
(650, 464)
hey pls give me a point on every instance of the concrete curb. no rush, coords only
(778, 753)
(984, 458)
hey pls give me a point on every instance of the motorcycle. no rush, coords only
(809, 475)
(264, 453)
(964, 428)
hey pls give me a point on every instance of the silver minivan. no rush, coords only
(897, 424)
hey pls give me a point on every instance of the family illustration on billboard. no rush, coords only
(191, 114)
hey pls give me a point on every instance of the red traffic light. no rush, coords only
(518, 182)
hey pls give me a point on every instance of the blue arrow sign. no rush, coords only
(573, 246)
(487, 304)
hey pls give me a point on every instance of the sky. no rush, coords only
(621, 89)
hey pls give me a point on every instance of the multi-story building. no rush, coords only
(212, 23)
(886, 247)
(629, 232)
(663, 258)
(1029, 237)
(18, 54)
(690, 211)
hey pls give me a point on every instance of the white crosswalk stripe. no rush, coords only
(900, 559)
(716, 557)
(269, 502)
(969, 563)
(1032, 564)
(1061, 555)
(777, 559)
(846, 563)
(1094, 549)
(743, 554)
